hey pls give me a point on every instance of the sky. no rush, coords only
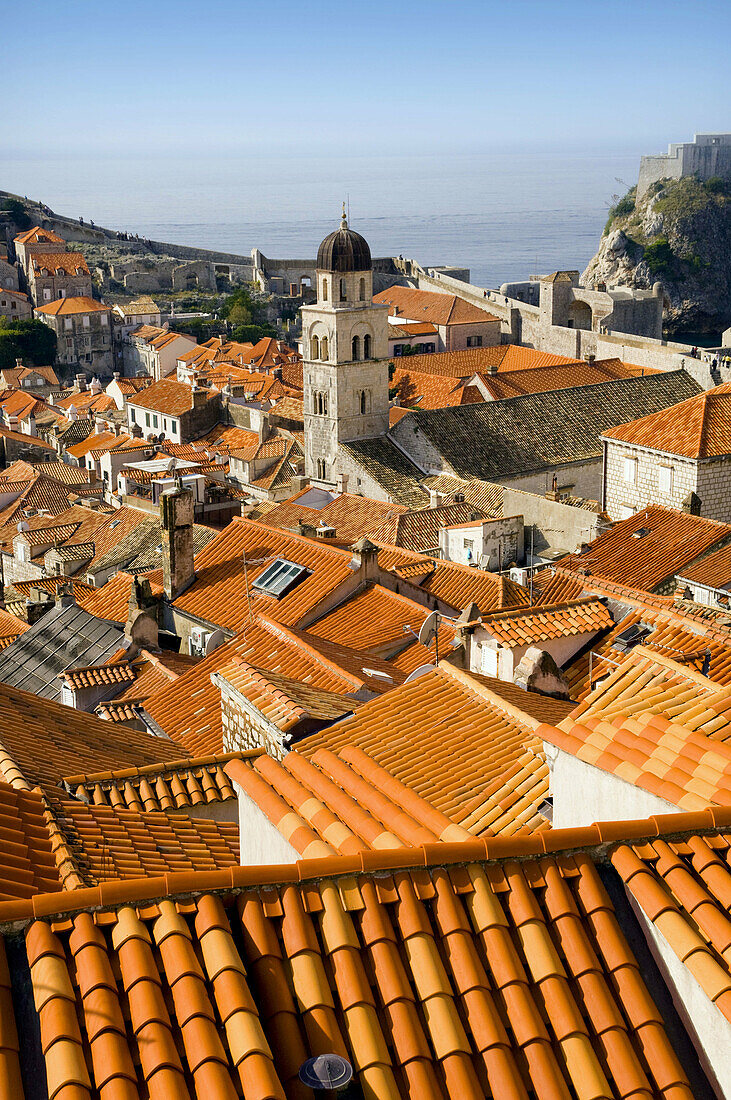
(314, 76)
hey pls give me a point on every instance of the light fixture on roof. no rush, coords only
(326, 1071)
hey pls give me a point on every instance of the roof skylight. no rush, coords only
(280, 577)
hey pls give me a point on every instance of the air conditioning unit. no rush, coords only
(520, 576)
(197, 642)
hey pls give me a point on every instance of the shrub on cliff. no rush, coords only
(621, 208)
(659, 257)
(27, 340)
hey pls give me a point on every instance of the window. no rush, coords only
(46, 294)
(630, 471)
(323, 348)
(321, 469)
(665, 480)
(366, 346)
(363, 402)
(343, 290)
(324, 290)
(147, 420)
(280, 577)
(154, 420)
(67, 323)
(356, 347)
(132, 416)
(104, 319)
(361, 292)
(86, 321)
(315, 348)
(474, 341)
(173, 425)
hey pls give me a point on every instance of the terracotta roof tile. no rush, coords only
(455, 584)
(697, 428)
(648, 548)
(518, 979)
(526, 626)
(426, 305)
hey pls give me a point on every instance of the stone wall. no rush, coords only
(621, 496)
(243, 726)
(706, 156)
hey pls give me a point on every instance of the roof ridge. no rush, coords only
(465, 680)
(538, 609)
(598, 840)
(273, 627)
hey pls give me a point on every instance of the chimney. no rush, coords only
(198, 397)
(692, 504)
(263, 427)
(492, 369)
(96, 386)
(176, 520)
(141, 625)
(100, 425)
(35, 609)
(591, 358)
(32, 425)
(18, 364)
(342, 483)
(553, 493)
(80, 383)
(116, 376)
(435, 498)
(365, 558)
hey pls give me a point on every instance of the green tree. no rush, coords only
(251, 334)
(31, 341)
(392, 390)
(659, 256)
(17, 212)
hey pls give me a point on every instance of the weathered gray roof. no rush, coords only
(137, 552)
(390, 468)
(525, 434)
(64, 637)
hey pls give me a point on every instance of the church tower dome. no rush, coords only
(344, 250)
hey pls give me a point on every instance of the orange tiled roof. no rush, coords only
(27, 863)
(697, 428)
(163, 787)
(417, 733)
(418, 530)
(713, 570)
(373, 619)
(166, 396)
(656, 679)
(351, 516)
(284, 701)
(648, 548)
(426, 305)
(527, 625)
(677, 764)
(37, 235)
(103, 844)
(485, 968)
(470, 361)
(41, 741)
(71, 263)
(189, 710)
(222, 592)
(457, 585)
(112, 600)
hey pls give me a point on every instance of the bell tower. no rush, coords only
(345, 351)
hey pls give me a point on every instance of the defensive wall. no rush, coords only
(706, 156)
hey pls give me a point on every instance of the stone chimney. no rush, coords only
(365, 558)
(116, 375)
(80, 383)
(692, 504)
(435, 498)
(342, 483)
(198, 397)
(141, 625)
(263, 427)
(539, 673)
(18, 364)
(176, 520)
(35, 609)
(96, 386)
(553, 493)
(100, 425)
(492, 369)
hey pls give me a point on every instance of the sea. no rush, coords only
(504, 215)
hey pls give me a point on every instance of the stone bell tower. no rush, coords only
(345, 346)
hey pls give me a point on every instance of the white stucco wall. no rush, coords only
(708, 1028)
(583, 794)
(260, 842)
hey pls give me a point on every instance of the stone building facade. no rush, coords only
(83, 330)
(8, 275)
(345, 349)
(635, 476)
(51, 276)
(15, 305)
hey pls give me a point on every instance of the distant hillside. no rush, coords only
(679, 234)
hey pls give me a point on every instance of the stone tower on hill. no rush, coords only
(345, 346)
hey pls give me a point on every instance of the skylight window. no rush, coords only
(280, 577)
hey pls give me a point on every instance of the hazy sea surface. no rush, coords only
(503, 215)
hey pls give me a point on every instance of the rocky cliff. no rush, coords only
(679, 234)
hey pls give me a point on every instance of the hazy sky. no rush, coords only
(379, 76)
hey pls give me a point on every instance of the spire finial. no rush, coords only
(344, 221)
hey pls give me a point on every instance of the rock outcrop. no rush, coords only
(678, 234)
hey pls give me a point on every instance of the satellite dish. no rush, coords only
(326, 1071)
(214, 641)
(429, 628)
(420, 671)
(170, 468)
